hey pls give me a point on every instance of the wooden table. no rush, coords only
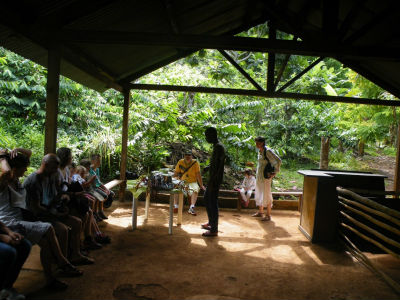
(171, 208)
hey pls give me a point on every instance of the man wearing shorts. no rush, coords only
(188, 170)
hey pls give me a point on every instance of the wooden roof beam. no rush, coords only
(264, 94)
(300, 74)
(240, 69)
(228, 43)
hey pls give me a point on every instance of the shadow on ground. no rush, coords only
(249, 259)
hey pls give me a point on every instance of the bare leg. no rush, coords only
(61, 231)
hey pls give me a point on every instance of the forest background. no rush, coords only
(163, 124)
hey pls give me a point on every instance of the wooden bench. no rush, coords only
(113, 183)
(286, 203)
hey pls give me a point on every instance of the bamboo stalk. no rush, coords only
(369, 218)
(373, 231)
(387, 250)
(357, 253)
(371, 210)
(369, 202)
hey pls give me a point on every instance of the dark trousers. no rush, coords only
(11, 260)
(211, 201)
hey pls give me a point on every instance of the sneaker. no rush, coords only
(209, 233)
(175, 210)
(192, 212)
(11, 294)
(206, 226)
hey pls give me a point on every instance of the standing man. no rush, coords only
(188, 170)
(216, 173)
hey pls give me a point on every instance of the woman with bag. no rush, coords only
(268, 164)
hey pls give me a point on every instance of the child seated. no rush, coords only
(247, 187)
(79, 177)
(98, 185)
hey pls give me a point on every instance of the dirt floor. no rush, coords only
(248, 260)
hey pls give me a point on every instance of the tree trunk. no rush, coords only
(361, 146)
(340, 147)
(324, 158)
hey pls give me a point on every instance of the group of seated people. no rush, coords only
(55, 207)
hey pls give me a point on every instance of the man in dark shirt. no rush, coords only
(216, 173)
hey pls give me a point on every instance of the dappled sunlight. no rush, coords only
(285, 253)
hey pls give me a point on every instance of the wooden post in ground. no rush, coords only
(124, 150)
(324, 155)
(397, 167)
(52, 88)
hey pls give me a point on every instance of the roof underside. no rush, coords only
(108, 44)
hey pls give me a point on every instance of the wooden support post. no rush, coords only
(124, 150)
(52, 88)
(397, 167)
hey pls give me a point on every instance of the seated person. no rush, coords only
(94, 230)
(48, 203)
(78, 204)
(90, 187)
(188, 170)
(98, 185)
(12, 208)
(14, 250)
(247, 187)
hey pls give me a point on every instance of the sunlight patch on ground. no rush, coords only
(284, 253)
(198, 241)
(311, 254)
(240, 246)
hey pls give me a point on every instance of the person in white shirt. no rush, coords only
(247, 187)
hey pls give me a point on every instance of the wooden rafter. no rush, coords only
(376, 20)
(350, 18)
(330, 11)
(264, 94)
(240, 69)
(228, 43)
(300, 74)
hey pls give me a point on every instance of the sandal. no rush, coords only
(83, 260)
(70, 271)
(266, 218)
(257, 214)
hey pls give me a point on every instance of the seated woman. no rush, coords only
(247, 187)
(14, 250)
(12, 213)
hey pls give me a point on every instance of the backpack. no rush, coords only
(159, 181)
(269, 168)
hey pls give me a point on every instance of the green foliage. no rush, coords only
(90, 122)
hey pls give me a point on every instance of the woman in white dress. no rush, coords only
(263, 194)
